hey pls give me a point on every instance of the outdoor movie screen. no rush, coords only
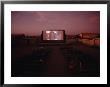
(53, 35)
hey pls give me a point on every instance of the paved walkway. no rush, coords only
(56, 63)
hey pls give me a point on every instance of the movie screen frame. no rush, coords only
(62, 40)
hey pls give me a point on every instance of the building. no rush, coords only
(91, 39)
(89, 35)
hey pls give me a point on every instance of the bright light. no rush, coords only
(47, 31)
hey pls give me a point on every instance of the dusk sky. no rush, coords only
(73, 22)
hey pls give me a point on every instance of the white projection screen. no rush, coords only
(53, 35)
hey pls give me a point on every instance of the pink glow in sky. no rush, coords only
(73, 22)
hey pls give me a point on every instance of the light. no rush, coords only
(56, 39)
(55, 31)
(47, 31)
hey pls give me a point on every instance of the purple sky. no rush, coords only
(73, 22)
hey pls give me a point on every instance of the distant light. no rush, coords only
(47, 31)
(55, 31)
(55, 39)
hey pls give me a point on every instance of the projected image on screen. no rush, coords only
(53, 35)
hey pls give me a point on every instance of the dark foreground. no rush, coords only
(52, 60)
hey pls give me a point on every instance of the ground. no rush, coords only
(55, 60)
